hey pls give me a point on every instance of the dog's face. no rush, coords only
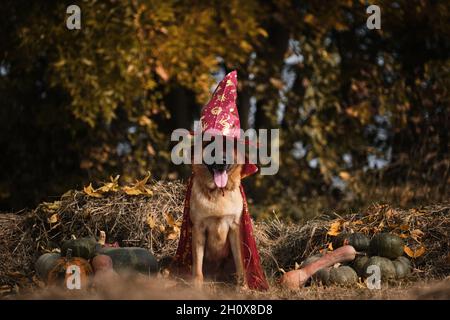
(222, 175)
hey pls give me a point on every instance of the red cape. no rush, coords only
(183, 258)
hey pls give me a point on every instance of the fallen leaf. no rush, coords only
(334, 228)
(111, 186)
(170, 220)
(414, 253)
(309, 18)
(297, 266)
(172, 236)
(403, 236)
(330, 246)
(90, 191)
(344, 175)
(160, 71)
(139, 187)
(53, 219)
(404, 227)
(417, 234)
(151, 222)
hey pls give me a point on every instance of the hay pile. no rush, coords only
(424, 230)
(152, 218)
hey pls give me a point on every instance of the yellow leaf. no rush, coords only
(151, 222)
(344, 175)
(309, 18)
(172, 236)
(162, 228)
(139, 187)
(263, 32)
(334, 229)
(145, 121)
(414, 253)
(53, 219)
(330, 246)
(340, 26)
(160, 71)
(111, 186)
(247, 47)
(132, 191)
(416, 234)
(170, 220)
(89, 190)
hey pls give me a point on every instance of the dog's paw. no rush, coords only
(198, 282)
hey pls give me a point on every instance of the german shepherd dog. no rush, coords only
(216, 207)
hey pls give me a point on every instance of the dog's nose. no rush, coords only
(219, 167)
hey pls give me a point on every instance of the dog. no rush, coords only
(216, 209)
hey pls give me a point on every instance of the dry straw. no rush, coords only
(151, 219)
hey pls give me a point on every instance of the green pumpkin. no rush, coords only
(359, 263)
(357, 240)
(343, 275)
(45, 263)
(387, 268)
(323, 275)
(83, 247)
(402, 267)
(131, 258)
(386, 245)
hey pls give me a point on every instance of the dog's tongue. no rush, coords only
(220, 178)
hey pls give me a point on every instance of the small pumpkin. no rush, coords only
(45, 263)
(386, 245)
(402, 267)
(386, 266)
(322, 275)
(71, 273)
(131, 258)
(357, 240)
(83, 247)
(343, 275)
(359, 264)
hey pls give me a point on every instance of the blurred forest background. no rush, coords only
(364, 114)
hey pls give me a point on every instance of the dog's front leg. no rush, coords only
(198, 250)
(235, 244)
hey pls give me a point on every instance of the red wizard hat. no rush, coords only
(220, 115)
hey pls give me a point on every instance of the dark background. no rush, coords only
(364, 114)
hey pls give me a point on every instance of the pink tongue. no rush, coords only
(220, 178)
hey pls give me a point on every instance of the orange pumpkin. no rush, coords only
(71, 273)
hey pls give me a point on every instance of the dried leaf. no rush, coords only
(330, 246)
(297, 266)
(170, 219)
(172, 236)
(417, 234)
(111, 186)
(414, 253)
(90, 191)
(344, 175)
(334, 228)
(53, 219)
(151, 221)
(139, 187)
(404, 227)
(309, 18)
